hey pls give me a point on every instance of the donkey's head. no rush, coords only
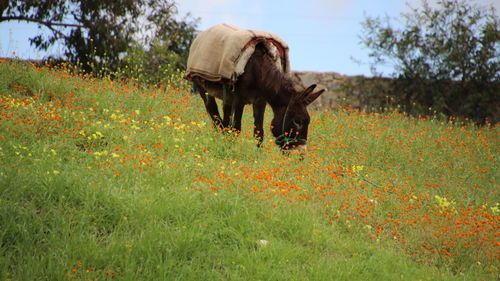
(290, 124)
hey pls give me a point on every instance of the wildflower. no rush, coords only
(495, 209)
(356, 168)
(97, 135)
(102, 153)
(443, 203)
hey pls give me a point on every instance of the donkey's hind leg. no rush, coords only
(259, 107)
(233, 111)
(210, 106)
(227, 109)
(213, 111)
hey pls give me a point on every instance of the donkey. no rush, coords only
(261, 83)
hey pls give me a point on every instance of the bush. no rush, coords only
(445, 59)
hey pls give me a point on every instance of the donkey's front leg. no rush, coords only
(259, 107)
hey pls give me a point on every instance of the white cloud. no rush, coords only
(243, 13)
(434, 3)
(330, 7)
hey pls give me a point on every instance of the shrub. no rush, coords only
(445, 58)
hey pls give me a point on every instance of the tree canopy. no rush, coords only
(446, 58)
(103, 31)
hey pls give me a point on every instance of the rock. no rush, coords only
(263, 243)
(342, 90)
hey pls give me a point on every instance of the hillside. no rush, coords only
(103, 180)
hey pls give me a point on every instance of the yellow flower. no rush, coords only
(443, 202)
(495, 209)
(357, 169)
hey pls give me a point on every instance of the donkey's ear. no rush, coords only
(309, 90)
(302, 96)
(313, 96)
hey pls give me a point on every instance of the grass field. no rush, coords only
(103, 180)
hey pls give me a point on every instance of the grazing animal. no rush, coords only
(264, 79)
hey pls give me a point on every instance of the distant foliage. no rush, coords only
(106, 35)
(446, 59)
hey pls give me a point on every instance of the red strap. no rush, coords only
(280, 48)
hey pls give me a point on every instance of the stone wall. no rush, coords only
(367, 93)
(342, 90)
(331, 81)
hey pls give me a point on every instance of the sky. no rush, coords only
(323, 35)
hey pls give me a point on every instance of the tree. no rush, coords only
(445, 58)
(163, 47)
(102, 31)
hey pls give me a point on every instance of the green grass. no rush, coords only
(103, 180)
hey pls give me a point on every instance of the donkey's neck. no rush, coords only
(276, 86)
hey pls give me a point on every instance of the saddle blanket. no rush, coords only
(220, 53)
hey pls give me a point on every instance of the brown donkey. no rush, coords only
(240, 67)
(262, 82)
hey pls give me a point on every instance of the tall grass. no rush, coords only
(101, 180)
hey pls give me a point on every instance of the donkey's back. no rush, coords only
(221, 53)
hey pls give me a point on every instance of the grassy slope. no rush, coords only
(102, 180)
